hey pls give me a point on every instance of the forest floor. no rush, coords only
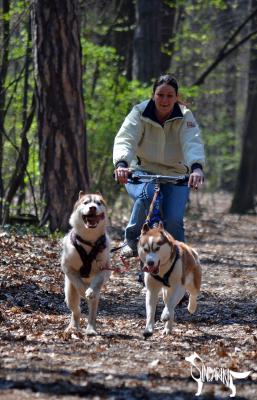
(40, 361)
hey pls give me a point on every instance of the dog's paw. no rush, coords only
(72, 328)
(89, 294)
(192, 305)
(165, 315)
(166, 331)
(91, 331)
(147, 333)
(167, 328)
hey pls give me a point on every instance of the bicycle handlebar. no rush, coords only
(136, 178)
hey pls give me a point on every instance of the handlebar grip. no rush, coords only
(130, 176)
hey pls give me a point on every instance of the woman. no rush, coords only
(159, 136)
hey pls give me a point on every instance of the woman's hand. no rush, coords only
(196, 178)
(121, 174)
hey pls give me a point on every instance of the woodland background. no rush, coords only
(71, 70)
(69, 73)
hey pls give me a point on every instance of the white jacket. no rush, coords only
(170, 149)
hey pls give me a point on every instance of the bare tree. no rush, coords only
(121, 36)
(230, 46)
(246, 184)
(3, 74)
(20, 168)
(243, 200)
(147, 40)
(170, 20)
(60, 107)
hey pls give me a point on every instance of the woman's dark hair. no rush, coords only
(168, 79)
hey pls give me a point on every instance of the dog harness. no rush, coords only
(87, 258)
(165, 279)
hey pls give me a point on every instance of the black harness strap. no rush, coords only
(87, 258)
(165, 279)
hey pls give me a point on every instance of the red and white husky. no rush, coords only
(171, 267)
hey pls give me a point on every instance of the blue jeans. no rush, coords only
(173, 204)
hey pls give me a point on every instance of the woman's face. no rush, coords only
(164, 97)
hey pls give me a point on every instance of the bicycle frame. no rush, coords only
(154, 214)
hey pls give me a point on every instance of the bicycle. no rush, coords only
(154, 215)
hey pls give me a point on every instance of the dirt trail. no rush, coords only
(40, 361)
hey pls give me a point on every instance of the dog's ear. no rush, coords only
(81, 193)
(145, 228)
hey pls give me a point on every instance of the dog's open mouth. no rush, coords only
(92, 220)
(152, 269)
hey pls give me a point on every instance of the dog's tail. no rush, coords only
(239, 375)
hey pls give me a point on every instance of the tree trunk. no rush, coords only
(169, 20)
(122, 38)
(60, 108)
(17, 177)
(246, 184)
(147, 41)
(252, 85)
(245, 190)
(3, 74)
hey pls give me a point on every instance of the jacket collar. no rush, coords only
(149, 112)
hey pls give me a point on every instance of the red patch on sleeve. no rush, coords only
(191, 124)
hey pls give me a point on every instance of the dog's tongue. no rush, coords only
(152, 270)
(93, 219)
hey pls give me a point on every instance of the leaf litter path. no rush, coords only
(40, 361)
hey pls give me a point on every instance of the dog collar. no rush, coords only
(87, 258)
(165, 279)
